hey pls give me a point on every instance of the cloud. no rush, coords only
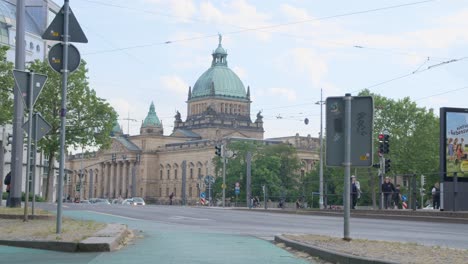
(239, 14)
(310, 63)
(241, 72)
(295, 13)
(288, 93)
(175, 84)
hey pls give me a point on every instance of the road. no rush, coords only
(173, 234)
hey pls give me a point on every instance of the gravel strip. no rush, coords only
(384, 250)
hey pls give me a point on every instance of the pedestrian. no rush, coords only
(7, 182)
(396, 197)
(435, 196)
(170, 198)
(387, 189)
(355, 191)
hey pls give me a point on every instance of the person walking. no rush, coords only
(170, 198)
(436, 196)
(387, 189)
(7, 182)
(355, 191)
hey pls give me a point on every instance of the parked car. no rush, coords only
(138, 201)
(428, 207)
(127, 202)
(101, 201)
(85, 202)
(117, 201)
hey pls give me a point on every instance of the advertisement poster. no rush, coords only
(456, 145)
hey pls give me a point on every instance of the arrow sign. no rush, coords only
(55, 29)
(56, 57)
(22, 83)
(40, 128)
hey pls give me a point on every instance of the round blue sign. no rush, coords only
(202, 195)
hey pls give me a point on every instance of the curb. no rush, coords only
(328, 255)
(36, 217)
(388, 216)
(106, 240)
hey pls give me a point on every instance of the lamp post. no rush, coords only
(321, 102)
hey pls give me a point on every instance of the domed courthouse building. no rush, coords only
(152, 165)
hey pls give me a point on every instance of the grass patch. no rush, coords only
(20, 211)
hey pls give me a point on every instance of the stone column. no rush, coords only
(124, 179)
(105, 176)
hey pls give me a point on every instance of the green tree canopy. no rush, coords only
(89, 118)
(6, 87)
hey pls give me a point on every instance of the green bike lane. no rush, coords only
(158, 242)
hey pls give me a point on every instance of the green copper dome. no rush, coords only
(219, 80)
(151, 119)
(116, 129)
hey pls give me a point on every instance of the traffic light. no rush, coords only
(218, 150)
(387, 165)
(423, 180)
(381, 144)
(386, 144)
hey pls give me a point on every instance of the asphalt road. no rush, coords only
(266, 225)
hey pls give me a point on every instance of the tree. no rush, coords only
(89, 118)
(275, 166)
(6, 87)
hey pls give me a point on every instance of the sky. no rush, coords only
(145, 51)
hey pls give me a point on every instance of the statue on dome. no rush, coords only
(178, 117)
(220, 38)
(259, 116)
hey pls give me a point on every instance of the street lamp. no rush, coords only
(321, 102)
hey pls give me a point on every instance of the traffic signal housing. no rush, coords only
(218, 149)
(386, 144)
(381, 144)
(388, 165)
(9, 139)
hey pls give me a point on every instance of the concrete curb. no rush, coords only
(328, 255)
(108, 239)
(439, 218)
(37, 217)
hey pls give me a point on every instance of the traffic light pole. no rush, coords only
(223, 152)
(28, 161)
(347, 166)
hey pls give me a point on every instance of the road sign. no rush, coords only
(203, 195)
(56, 57)
(202, 201)
(41, 128)
(209, 180)
(55, 29)
(22, 83)
(237, 191)
(362, 113)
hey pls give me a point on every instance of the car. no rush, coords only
(138, 201)
(85, 202)
(127, 202)
(101, 201)
(117, 201)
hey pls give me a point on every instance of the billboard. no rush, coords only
(454, 142)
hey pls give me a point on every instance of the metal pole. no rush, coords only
(34, 164)
(91, 184)
(347, 165)
(321, 152)
(381, 174)
(248, 189)
(455, 191)
(81, 173)
(223, 151)
(2, 162)
(63, 114)
(265, 196)
(28, 161)
(17, 144)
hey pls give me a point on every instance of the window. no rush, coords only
(191, 173)
(168, 174)
(31, 45)
(199, 172)
(38, 48)
(190, 191)
(160, 174)
(175, 174)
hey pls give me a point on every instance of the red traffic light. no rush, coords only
(381, 136)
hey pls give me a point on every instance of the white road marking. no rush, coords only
(179, 217)
(130, 218)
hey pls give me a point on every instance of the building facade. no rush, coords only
(154, 166)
